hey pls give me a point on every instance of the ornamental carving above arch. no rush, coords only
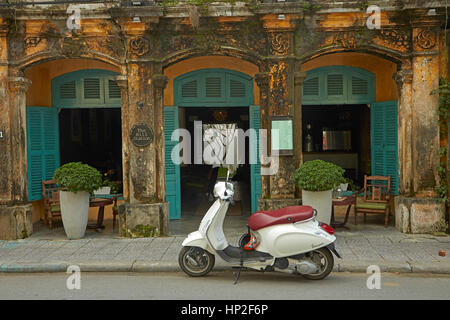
(279, 43)
(393, 39)
(139, 46)
(426, 39)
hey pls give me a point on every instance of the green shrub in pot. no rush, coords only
(318, 175)
(317, 179)
(77, 181)
(77, 176)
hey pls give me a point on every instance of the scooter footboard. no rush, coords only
(237, 255)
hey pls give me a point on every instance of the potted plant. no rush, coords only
(317, 180)
(77, 181)
(107, 187)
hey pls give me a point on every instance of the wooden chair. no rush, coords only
(376, 191)
(50, 194)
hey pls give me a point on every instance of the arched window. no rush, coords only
(339, 85)
(93, 88)
(213, 87)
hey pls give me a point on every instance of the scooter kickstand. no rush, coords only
(236, 279)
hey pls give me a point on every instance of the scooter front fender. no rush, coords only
(196, 239)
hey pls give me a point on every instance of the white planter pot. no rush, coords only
(74, 213)
(321, 201)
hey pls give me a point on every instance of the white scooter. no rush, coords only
(287, 240)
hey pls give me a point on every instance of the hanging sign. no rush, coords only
(141, 135)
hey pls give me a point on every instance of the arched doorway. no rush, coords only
(358, 133)
(64, 101)
(208, 97)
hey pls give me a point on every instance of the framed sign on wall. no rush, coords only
(282, 135)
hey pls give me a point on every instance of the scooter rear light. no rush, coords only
(326, 227)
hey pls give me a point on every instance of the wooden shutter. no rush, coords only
(311, 88)
(213, 87)
(173, 185)
(92, 91)
(335, 84)
(113, 95)
(189, 89)
(42, 147)
(255, 169)
(237, 89)
(336, 88)
(391, 143)
(384, 136)
(67, 93)
(361, 88)
(338, 85)
(35, 156)
(92, 88)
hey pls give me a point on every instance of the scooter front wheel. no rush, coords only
(195, 261)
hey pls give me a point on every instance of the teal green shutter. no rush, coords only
(255, 169)
(384, 135)
(92, 88)
(173, 186)
(339, 85)
(42, 148)
(213, 88)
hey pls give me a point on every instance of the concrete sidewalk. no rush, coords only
(363, 246)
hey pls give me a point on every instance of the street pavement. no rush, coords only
(361, 247)
(252, 288)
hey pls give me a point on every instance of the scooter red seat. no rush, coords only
(263, 219)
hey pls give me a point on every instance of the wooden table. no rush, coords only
(115, 197)
(100, 203)
(346, 201)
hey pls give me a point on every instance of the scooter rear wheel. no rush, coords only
(324, 260)
(195, 261)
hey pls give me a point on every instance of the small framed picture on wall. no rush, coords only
(282, 136)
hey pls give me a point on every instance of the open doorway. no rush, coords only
(339, 134)
(198, 179)
(93, 136)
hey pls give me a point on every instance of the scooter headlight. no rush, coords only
(223, 190)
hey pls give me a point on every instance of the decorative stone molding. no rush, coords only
(346, 40)
(71, 47)
(262, 80)
(32, 41)
(160, 81)
(19, 84)
(279, 43)
(299, 78)
(122, 82)
(278, 83)
(139, 46)
(399, 39)
(426, 39)
(403, 76)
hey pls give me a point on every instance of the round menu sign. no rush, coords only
(141, 135)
